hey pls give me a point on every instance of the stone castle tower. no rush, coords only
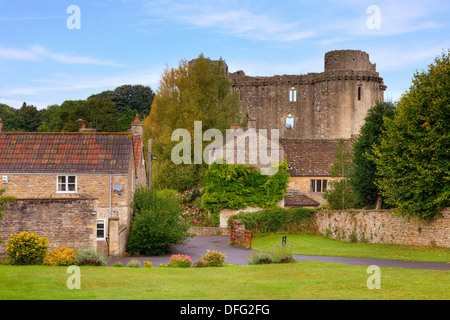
(327, 105)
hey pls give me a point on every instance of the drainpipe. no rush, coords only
(110, 195)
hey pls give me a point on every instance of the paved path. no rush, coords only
(196, 247)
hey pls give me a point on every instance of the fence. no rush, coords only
(240, 236)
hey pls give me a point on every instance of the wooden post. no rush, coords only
(150, 163)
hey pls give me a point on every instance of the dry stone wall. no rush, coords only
(382, 226)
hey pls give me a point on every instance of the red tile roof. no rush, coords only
(65, 152)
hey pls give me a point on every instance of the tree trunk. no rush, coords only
(379, 200)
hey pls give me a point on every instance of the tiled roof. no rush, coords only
(294, 198)
(310, 157)
(65, 152)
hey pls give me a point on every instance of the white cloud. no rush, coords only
(37, 53)
(396, 17)
(229, 17)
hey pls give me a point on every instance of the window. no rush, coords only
(67, 184)
(318, 185)
(292, 95)
(101, 229)
(290, 122)
(359, 93)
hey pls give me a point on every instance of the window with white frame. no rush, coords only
(101, 229)
(67, 184)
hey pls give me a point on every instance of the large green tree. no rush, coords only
(199, 91)
(340, 194)
(413, 158)
(128, 97)
(364, 174)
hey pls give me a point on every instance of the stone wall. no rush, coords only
(64, 221)
(327, 105)
(209, 231)
(381, 226)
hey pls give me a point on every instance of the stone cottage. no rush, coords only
(250, 146)
(73, 188)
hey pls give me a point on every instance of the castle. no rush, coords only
(312, 113)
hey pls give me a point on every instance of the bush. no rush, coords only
(134, 264)
(27, 248)
(157, 223)
(278, 219)
(282, 255)
(213, 258)
(276, 255)
(260, 258)
(89, 257)
(62, 256)
(148, 264)
(118, 265)
(180, 261)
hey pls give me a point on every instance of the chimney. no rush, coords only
(1, 125)
(137, 127)
(83, 127)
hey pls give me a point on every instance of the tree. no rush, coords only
(130, 97)
(100, 114)
(413, 156)
(32, 117)
(340, 195)
(199, 91)
(364, 174)
(157, 222)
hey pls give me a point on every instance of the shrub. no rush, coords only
(213, 258)
(278, 219)
(118, 265)
(180, 261)
(27, 248)
(62, 256)
(148, 264)
(134, 264)
(90, 257)
(199, 263)
(282, 255)
(276, 255)
(260, 258)
(157, 223)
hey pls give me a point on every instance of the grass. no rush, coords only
(322, 246)
(299, 280)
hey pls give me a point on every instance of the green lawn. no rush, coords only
(299, 280)
(323, 246)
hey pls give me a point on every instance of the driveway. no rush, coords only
(195, 247)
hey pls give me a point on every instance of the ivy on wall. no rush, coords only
(240, 186)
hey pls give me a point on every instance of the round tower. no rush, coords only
(339, 60)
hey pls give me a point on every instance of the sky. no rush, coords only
(52, 51)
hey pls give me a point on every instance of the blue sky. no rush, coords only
(43, 62)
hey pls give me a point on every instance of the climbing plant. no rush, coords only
(239, 186)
